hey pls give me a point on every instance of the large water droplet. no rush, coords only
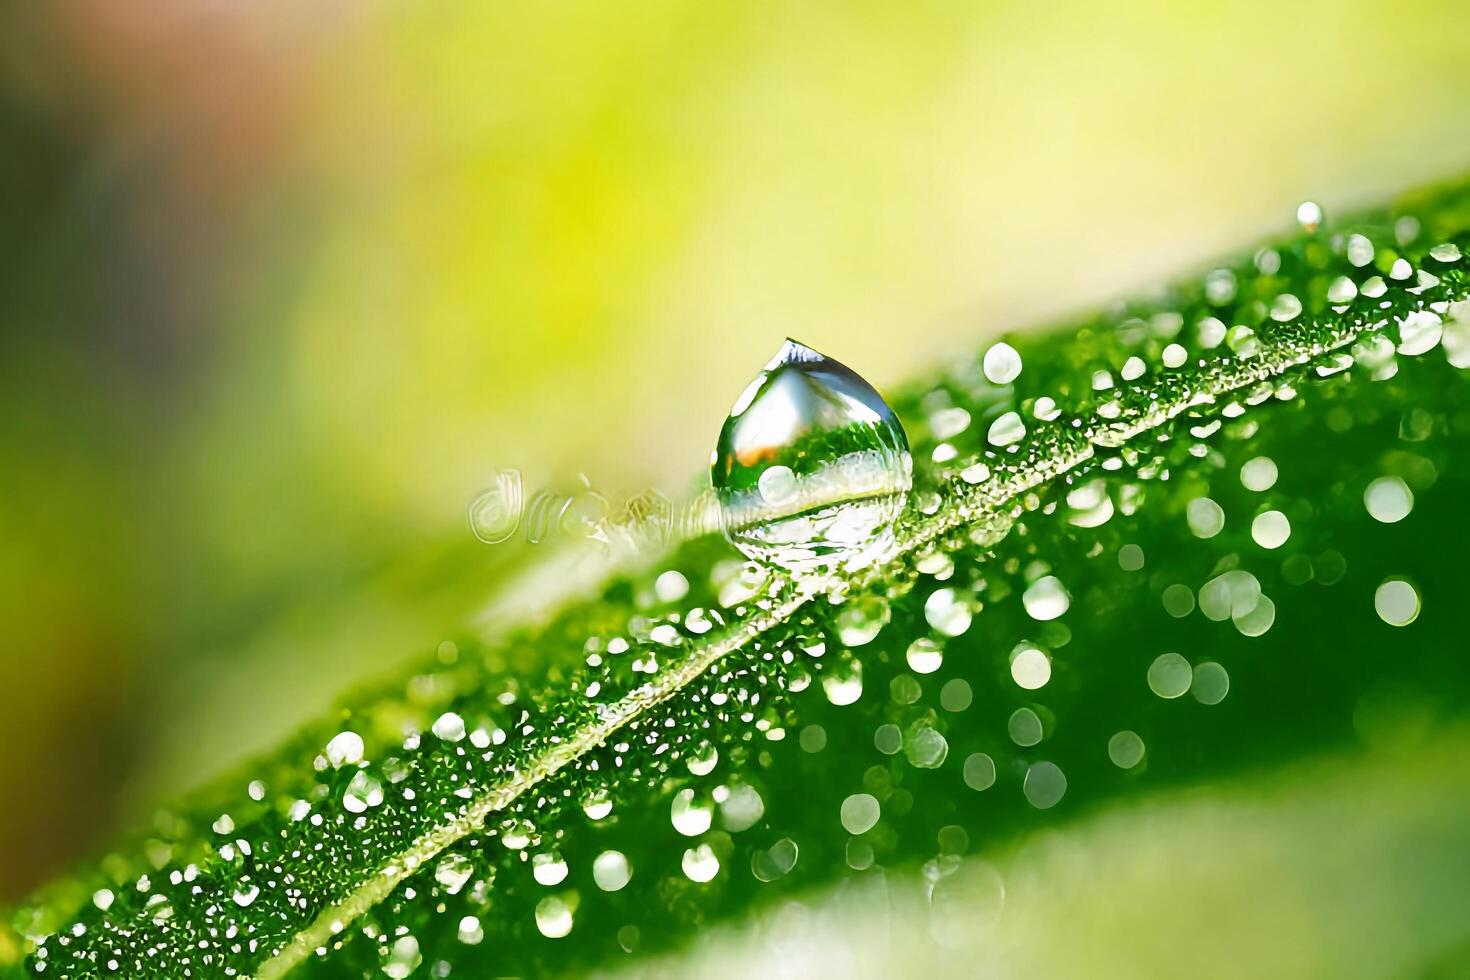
(812, 466)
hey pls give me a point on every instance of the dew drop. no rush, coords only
(1259, 474)
(691, 817)
(1388, 499)
(1030, 667)
(1045, 785)
(843, 682)
(611, 870)
(859, 813)
(345, 749)
(926, 749)
(1211, 683)
(1125, 749)
(449, 727)
(700, 864)
(1169, 676)
(1270, 529)
(1024, 727)
(453, 872)
(812, 466)
(1206, 518)
(947, 612)
(1006, 430)
(1046, 598)
(553, 917)
(1396, 602)
(471, 933)
(548, 869)
(924, 656)
(404, 958)
(1002, 364)
(979, 772)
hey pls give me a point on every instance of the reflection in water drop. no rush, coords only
(812, 466)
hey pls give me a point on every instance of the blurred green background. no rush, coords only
(282, 286)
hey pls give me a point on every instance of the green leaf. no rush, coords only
(1103, 608)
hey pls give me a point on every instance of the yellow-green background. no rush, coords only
(283, 285)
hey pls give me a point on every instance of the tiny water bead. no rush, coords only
(1397, 602)
(1170, 675)
(812, 467)
(1125, 749)
(670, 695)
(1388, 499)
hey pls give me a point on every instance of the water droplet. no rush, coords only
(1002, 364)
(597, 806)
(362, 793)
(701, 762)
(1006, 430)
(1396, 602)
(470, 931)
(979, 772)
(1125, 749)
(859, 813)
(947, 612)
(404, 958)
(812, 466)
(1359, 250)
(1388, 499)
(1024, 727)
(345, 749)
(1259, 474)
(548, 869)
(449, 727)
(1045, 785)
(925, 748)
(244, 896)
(924, 656)
(1211, 683)
(1046, 598)
(553, 917)
(611, 870)
(453, 872)
(691, 817)
(1030, 666)
(700, 864)
(1270, 529)
(843, 681)
(1419, 332)
(1309, 216)
(1169, 676)
(860, 620)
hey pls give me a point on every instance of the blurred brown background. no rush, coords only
(283, 285)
